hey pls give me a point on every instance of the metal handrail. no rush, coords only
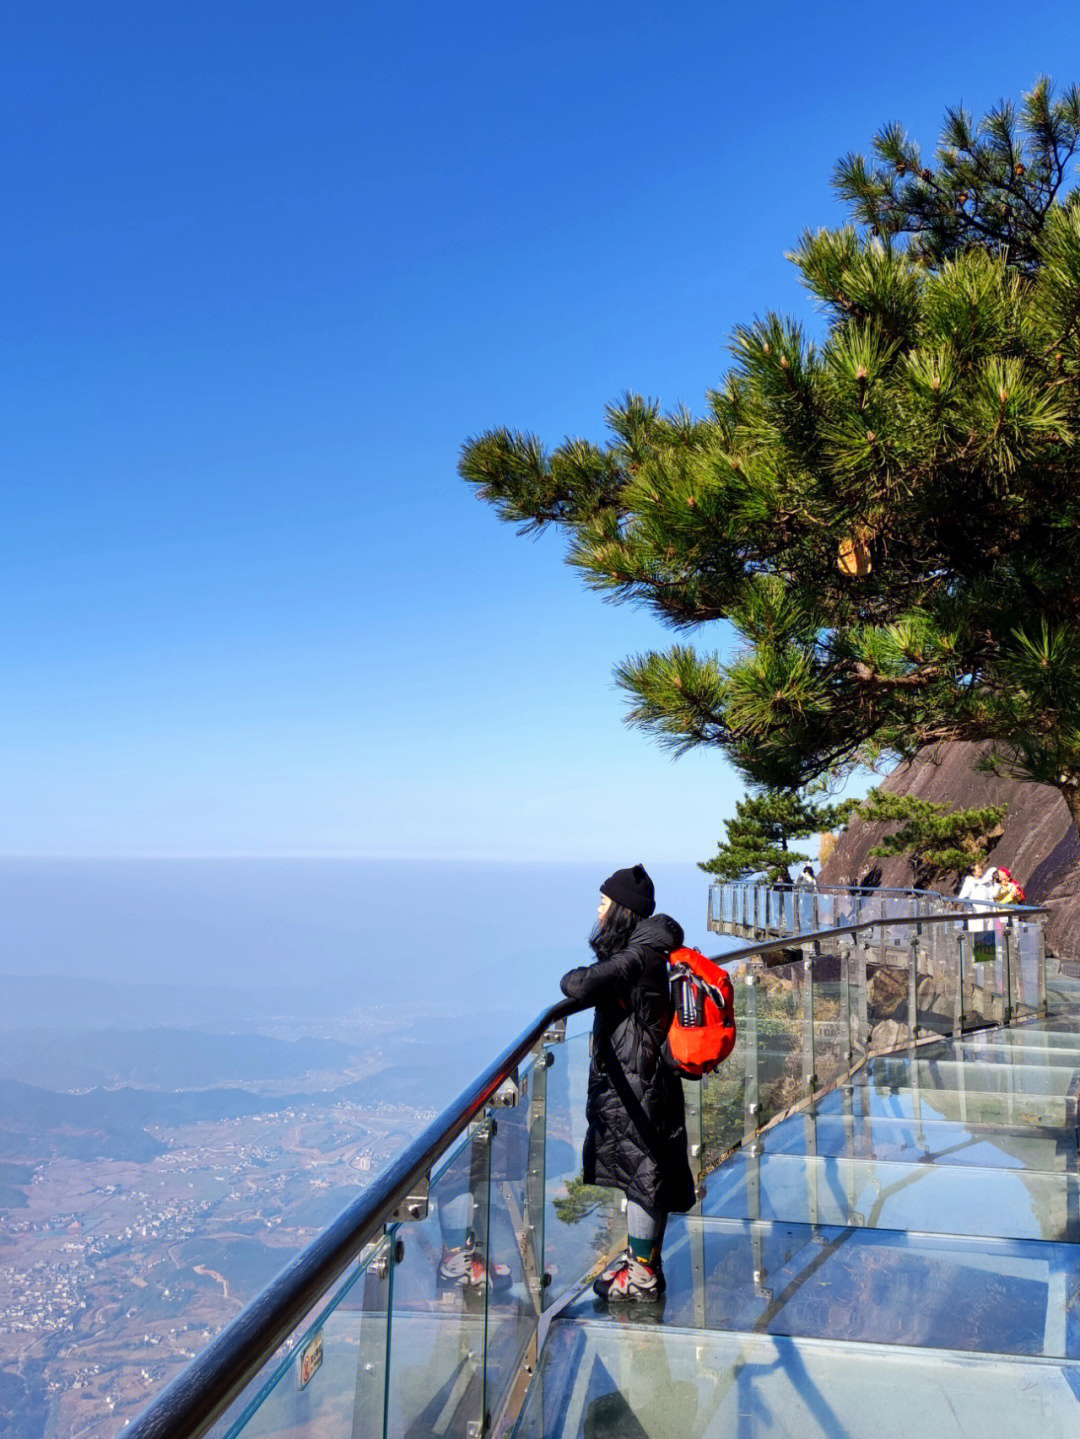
(188, 1406)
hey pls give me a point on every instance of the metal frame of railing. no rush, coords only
(209, 1385)
(737, 906)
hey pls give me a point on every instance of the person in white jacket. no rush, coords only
(978, 888)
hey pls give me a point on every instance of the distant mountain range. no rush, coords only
(37, 1123)
(161, 1058)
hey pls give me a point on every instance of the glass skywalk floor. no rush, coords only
(903, 1260)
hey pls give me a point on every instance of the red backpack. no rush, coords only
(702, 1034)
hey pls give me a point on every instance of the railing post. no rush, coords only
(536, 1177)
(372, 1387)
(753, 1213)
(1040, 968)
(1006, 937)
(692, 1092)
(809, 1070)
(846, 1052)
(913, 986)
(863, 997)
(750, 1059)
(961, 956)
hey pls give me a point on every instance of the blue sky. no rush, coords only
(265, 268)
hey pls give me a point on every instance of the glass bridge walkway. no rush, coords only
(886, 1243)
(903, 1258)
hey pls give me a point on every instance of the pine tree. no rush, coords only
(890, 517)
(756, 840)
(991, 184)
(938, 839)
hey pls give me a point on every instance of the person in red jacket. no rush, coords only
(636, 1139)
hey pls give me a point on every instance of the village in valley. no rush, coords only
(113, 1275)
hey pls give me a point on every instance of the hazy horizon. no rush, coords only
(332, 934)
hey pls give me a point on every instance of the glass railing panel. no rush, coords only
(887, 993)
(791, 918)
(779, 1050)
(330, 1376)
(514, 1231)
(580, 1220)
(722, 1095)
(969, 976)
(941, 955)
(1024, 967)
(830, 1051)
(988, 955)
(827, 911)
(936, 981)
(437, 1325)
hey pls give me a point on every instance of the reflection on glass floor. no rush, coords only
(902, 1260)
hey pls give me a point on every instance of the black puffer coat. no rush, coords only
(637, 1123)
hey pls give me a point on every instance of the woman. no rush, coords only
(636, 1139)
(1006, 890)
(978, 890)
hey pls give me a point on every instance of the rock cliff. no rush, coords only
(1040, 844)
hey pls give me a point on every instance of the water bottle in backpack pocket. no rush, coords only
(702, 1033)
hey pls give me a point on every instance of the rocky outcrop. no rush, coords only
(1040, 843)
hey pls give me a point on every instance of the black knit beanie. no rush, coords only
(632, 888)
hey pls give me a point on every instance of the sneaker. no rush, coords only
(465, 1268)
(631, 1283)
(624, 1258)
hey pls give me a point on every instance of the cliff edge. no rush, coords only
(1040, 844)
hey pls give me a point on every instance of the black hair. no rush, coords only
(611, 933)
